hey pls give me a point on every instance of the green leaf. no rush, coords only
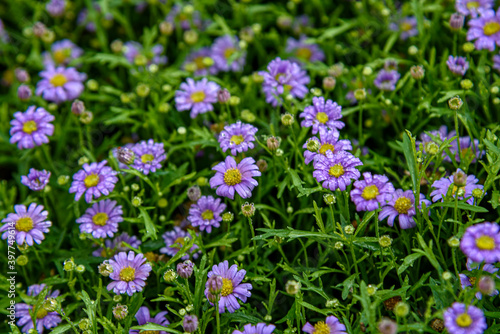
(460, 205)
(408, 261)
(313, 308)
(150, 227)
(156, 327)
(347, 284)
(410, 154)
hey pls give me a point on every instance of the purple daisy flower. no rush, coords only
(195, 60)
(463, 319)
(301, 23)
(470, 7)
(36, 180)
(60, 84)
(101, 220)
(44, 319)
(148, 156)
(232, 287)
(466, 281)
(304, 51)
(31, 128)
(62, 53)
(227, 54)
(457, 65)
(485, 30)
(206, 213)
(372, 191)
(131, 50)
(387, 80)
(442, 134)
(238, 137)
(117, 245)
(481, 242)
(93, 180)
(83, 19)
(328, 141)
(402, 205)
(175, 240)
(468, 149)
(331, 325)
(183, 19)
(230, 177)
(260, 328)
(283, 76)
(406, 26)
(322, 115)
(459, 182)
(336, 171)
(56, 8)
(27, 225)
(197, 96)
(143, 317)
(129, 273)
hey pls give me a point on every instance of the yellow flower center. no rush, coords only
(402, 205)
(485, 242)
(321, 328)
(207, 215)
(198, 96)
(472, 4)
(179, 242)
(199, 63)
(127, 274)
(491, 28)
(326, 147)
(147, 158)
(405, 26)
(91, 180)
(304, 53)
(150, 332)
(472, 281)
(58, 80)
(322, 117)
(229, 52)
(236, 139)
(41, 313)
(100, 218)
(227, 287)
(455, 189)
(24, 224)
(464, 320)
(232, 176)
(29, 127)
(370, 192)
(336, 170)
(279, 76)
(61, 55)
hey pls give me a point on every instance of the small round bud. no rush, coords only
(455, 103)
(453, 242)
(169, 276)
(116, 46)
(431, 148)
(227, 217)
(105, 268)
(50, 304)
(360, 94)
(371, 289)
(223, 95)
(80, 268)
(120, 311)
(185, 269)
(140, 60)
(385, 241)
(349, 229)
(494, 90)
(466, 84)
(22, 260)
(84, 324)
(387, 326)
(142, 90)
(135, 187)
(190, 323)
(332, 303)
(69, 265)
(182, 311)
(136, 201)
(338, 245)
(164, 108)
(313, 145)
(22, 75)
(329, 83)
(477, 193)
(287, 119)
(367, 70)
(39, 29)
(417, 72)
(486, 285)
(77, 107)
(202, 181)
(268, 318)
(117, 298)
(446, 275)
(468, 47)
(194, 193)
(86, 117)
(316, 91)
(412, 50)
(248, 209)
(162, 203)
(496, 100)
(284, 22)
(93, 85)
(336, 70)
(153, 68)
(24, 93)
(459, 178)
(166, 28)
(48, 36)
(279, 152)
(262, 164)
(402, 309)
(190, 37)
(247, 116)
(241, 258)
(273, 143)
(215, 284)
(189, 308)
(181, 130)
(329, 199)
(456, 21)
(247, 34)
(125, 155)
(234, 100)
(292, 287)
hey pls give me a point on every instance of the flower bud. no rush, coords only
(136, 201)
(24, 92)
(77, 107)
(385, 241)
(453, 242)
(371, 289)
(360, 94)
(80, 268)
(84, 324)
(477, 193)
(223, 95)
(332, 303)
(50, 304)
(215, 284)
(431, 148)
(338, 245)
(329, 83)
(105, 268)
(194, 193)
(234, 100)
(402, 309)
(62, 180)
(262, 164)
(367, 70)
(349, 229)
(185, 269)
(39, 29)
(336, 70)
(22, 260)
(466, 84)
(273, 143)
(117, 298)
(459, 178)
(227, 217)
(125, 155)
(22, 75)
(387, 326)
(169, 276)
(93, 85)
(287, 119)
(69, 265)
(292, 287)
(190, 37)
(142, 90)
(248, 209)
(329, 199)
(166, 28)
(455, 103)
(190, 323)
(86, 117)
(486, 285)
(417, 72)
(456, 21)
(468, 47)
(120, 311)
(116, 46)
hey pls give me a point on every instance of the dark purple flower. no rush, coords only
(28, 225)
(402, 205)
(101, 220)
(371, 192)
(24, 92)
(464, 319)
(206, 213)
(481, 242)
(31, 128)
(60, 84)
(406, 26)
(336, 171)
(195, 60)
(470, 281)
(331, 325)
(387, 80)
(130, 272)
(328, 141)
(196, 96)
(93, 180)
(322, 115)
(117, 245)
(304, 51)
(485, 30)
(227, 54)
(230, 177)
(148, 156)
(260, 328)
(443, 185)
(62, 53)
(44, 319)
(470, 7)
(238, 137)
(132, 50)
(458, 65)
(143, 317)
(55, 8)
(36, 180)
(175, 240)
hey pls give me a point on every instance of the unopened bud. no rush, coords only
(77, 107)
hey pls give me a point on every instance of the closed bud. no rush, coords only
(287, 119)
(234, 100)
(194, 193)
(93, 85)
(459, 178)
(169, 276)
(22, 75)
(367, 70)
(248, 209)
(332, 303)
(136, 201)
(455, 103)
(125, 155)
(262, 164)
(402, 309)
(268, 318)
(84, 324)
(120, 311)
(432, 148)
(62, 180)
(215, 284)
(190, 323)
(77, 107)
(466, 84)
(446, 275)
(477, 193)
(247, 116)
(468, 47)
(453, 242)
(24, 92)
(185, 269)
(456, 21)
(80, 268)
(117, 46)
(338, 245)
(227, 217)
(336, 70)
(86, 117)
(371, 289)
(39, 29)
(117, 298)
(50, 304)
(190, 37)
(273, 143)
(385, 241)
(69, 265)
(329, 199)
(349, 229)
(105, 268)
(22, 260)
(166, 28)
(223, 95)
(486, 285)
(360, 94)
(292, 287)
(417, 72)
(142, 90)
(329, 83)
(412, 50)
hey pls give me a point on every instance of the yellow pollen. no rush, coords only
(455, 188)
(370, 192)
(236, 139)
(24, 224)
(207, 215)
(304, 53)
(229, 52)
(199, 63)
(287, 88)
(326, 147)
(127, 274)
(402, 205)
(100, 218)
(491, 28)
(322, 117)
(91, 180)
(472, 4)
(336, 170)
(179, 242)
(485, 242)
(61, 55)
(227, 287)
(58, 80)
(232, 176)
(464, 320)
(150, 332)
(472, 281)
(405, 26)
(321, 328)
(41, 313)
(29, 127)
(147, 158)
(198, 96)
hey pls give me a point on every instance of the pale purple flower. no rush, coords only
(471, 281)
(481, 242)
(93, 180)
(468, 149)
(322, 115)
(336, 171)
(372, 192)
(44, 320)
(101, 220)
(387, 80)
(485, 30)
(442, 186)
(260, 328)
(470, 7)
(26, 225)
(196, 96)
(232, 287)
(131, 50)
(60, 84)
(402, 205)
(55, 8)
(190, 323)
(301, 23)
(195, 59)
(464, 319)
(148, 156)
(457, 65)
(184, 20)
(496, 62)
(328, 141)
(206, 213)
(83, 19)
(117, 245)
(230, 177)
(175, 240)
(4, 36)
(331, 325)
(36, 180)
(62, 53)
(237, 137)
(227, 54)
(144, 317)
(284, 76)
(130, 272)
(304, 51)
(406, 26)
(31, 128)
